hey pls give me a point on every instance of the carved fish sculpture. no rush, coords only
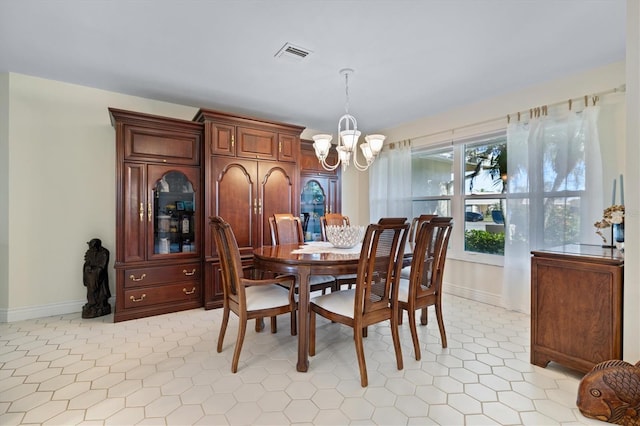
(610, 392)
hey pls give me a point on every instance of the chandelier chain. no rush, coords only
(346, 91)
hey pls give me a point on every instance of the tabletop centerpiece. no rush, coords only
(344, 236)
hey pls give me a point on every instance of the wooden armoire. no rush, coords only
(250, 173)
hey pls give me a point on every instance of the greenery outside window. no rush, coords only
(485, 186)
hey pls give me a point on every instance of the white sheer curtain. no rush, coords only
(554, 192)
(390, 183)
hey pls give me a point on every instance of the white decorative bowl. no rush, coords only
(344, 236)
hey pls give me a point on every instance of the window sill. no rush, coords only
(483, 258)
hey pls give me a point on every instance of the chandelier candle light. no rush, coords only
(348, 135)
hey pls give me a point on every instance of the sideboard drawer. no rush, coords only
(170, 293)
(140, 277)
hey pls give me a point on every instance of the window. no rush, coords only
(432, 182)
(465, 181)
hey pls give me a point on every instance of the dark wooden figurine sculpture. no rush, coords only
(96, 279)
(610, 392)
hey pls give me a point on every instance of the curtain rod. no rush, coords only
(594, 97)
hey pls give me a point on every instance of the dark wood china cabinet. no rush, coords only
(158, 214)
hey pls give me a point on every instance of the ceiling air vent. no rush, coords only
(289, 51)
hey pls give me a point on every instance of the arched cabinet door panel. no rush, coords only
(276, 195)
(234, 184)
(174, 211)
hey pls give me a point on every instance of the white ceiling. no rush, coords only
(411, 58)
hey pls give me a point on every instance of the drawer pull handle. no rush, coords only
(133, 278)
(193, 290)
(187, 273)
(133, 299)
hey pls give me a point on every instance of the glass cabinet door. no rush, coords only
(174, 207)
(312, 208)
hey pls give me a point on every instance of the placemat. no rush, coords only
(325, 247)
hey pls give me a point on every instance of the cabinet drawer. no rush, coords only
(160, 145)
(169, 293)
(254, 143)
(162, 274)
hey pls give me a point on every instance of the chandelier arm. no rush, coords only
(358, 165)
(328, 166)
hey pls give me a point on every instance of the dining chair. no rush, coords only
(248, 298)
(391, 220)
(415, 224)
(424, 286)
(286, 229)
(332, 219)
(373, 298)
(337, 219)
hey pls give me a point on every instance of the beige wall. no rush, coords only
(4, 192)
(61, 177)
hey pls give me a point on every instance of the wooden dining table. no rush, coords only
(286, 259)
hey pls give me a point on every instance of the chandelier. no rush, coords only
(348, 135)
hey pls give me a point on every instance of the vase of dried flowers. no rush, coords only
(613, 216)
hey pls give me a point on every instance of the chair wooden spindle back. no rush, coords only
(230, 262)
(382, 252)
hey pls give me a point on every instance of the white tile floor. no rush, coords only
(165, 370)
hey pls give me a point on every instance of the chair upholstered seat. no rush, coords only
(340, 303)
(264, 297)
(319, 280)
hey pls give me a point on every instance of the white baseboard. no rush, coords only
(32, 312)
(473, 294)
(63, 308)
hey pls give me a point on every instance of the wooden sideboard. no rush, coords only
(576, 306)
